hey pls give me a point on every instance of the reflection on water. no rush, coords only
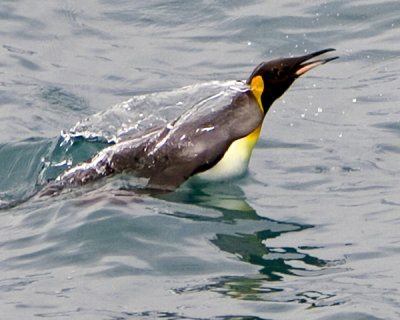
(274, 261)
(121, 233)
(245, 235)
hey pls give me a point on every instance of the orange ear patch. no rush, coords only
(257, 88)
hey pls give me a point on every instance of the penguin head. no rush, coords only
(271, 79)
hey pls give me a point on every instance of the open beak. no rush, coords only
(304, 65)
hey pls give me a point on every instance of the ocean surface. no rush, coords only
(311, 232)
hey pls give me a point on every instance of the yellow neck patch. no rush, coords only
(257, 88)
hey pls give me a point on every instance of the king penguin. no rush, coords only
(216, 146)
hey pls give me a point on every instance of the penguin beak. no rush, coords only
(304, 65)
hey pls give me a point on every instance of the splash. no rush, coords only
(145, 111)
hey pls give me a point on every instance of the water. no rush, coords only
(312, 232)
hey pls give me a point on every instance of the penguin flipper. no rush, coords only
(168, 179)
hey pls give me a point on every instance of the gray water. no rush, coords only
(313, 230)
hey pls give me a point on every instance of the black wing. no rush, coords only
(195, 146)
